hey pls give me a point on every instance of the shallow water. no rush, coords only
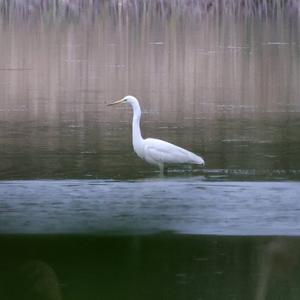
(180, 205)
(223, 86)
(248, 149)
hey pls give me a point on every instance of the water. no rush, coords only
(147, 267)
(185, 206)
(81, 217)
(233, 149)
(224, 87)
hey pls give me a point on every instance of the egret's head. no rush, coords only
(127, 99)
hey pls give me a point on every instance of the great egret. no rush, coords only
(155, 151)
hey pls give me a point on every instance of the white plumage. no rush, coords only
(155, 151)
(163, 152)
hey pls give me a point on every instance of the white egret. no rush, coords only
(155, 151)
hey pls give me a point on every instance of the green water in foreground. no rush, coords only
(164, 266)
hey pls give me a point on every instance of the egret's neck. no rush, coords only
(136, 130)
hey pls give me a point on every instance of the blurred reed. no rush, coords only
(56, 9)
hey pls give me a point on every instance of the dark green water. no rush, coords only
(149, 267)
(265, 147)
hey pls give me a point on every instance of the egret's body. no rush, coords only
(155, 151)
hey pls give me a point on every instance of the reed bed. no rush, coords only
(53, 9)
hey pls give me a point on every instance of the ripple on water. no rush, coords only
(185, 205)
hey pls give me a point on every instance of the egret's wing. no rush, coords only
(164, 152)
(160, 155)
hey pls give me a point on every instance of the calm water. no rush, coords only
(81, 217)
(182, 205)
(227, 88)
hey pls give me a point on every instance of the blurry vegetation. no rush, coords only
(61, 9)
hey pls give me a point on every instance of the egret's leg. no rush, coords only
(161, 169)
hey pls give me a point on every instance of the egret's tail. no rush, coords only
(196, 159)
(200, 161)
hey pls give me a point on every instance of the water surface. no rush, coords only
(181, 205)
(222, 86)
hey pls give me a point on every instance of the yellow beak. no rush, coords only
(116, 102)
